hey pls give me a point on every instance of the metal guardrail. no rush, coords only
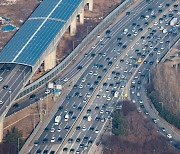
(57, 69)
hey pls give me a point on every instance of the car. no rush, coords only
(52, 130)
(59, 139)
(97, 108)
(72, 150)
(47, 91)
(163, 129)
(66, 79)
(45, 140)
(79, 108)
(52, 152)
(83, 128)
(1, 78)
(45, 151)
(78, 139)
(5, 86)
(67, 128)
(154, 120)
(85, 138)
(16, 105)
(169, 136)
(36, 142)
(96, 131)
(32, 96)
(38, 151)
(78, 128)
(65, 149)
(8, 68)
(91, 128)
(70, 140)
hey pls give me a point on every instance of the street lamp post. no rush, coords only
(74, 43)
(88, 29)
(162, 105)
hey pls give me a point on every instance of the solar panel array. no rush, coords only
(35, 35)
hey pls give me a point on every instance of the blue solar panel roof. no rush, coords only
(31, 40)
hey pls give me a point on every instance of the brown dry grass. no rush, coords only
(143, 137)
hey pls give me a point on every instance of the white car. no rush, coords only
(102, 111)
(1, 78)
(101, 39)
(96, 131)
(66, 79)
(169, 135)
(133, 101)
(59, 129)
(156, 23)
(1, 102)
(83, 128)
(93, 46)
(80, 86)
(52, 130)
(53, 139)
(117, 66)
(91, 72)
(47, 91)
(108, 98)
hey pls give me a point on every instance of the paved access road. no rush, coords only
(105, 55)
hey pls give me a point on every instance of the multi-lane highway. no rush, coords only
(12, 80)
(107, 52)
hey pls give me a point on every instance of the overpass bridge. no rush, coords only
(34, 43)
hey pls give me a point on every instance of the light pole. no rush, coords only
(161, 105)
(88, 29)
(74, 43)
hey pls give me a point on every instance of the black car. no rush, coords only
(5, 86)
(65, 149)
(16, 105)
(32, 96)
(45, 140)
(78, 140)
(59, 139)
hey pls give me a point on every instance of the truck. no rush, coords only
(173, 22)
(66, 117)
(164, 31)
(57, 120)
(89, 118)
(125, 31)
(50, 85)
(58, 86)
(116, 94)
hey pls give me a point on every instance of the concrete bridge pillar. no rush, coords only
(50, 60)
(90, 2)
(82, 16)
(1, 129)
(73, 26)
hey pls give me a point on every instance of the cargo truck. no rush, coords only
(173, 22)
(57, 120)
